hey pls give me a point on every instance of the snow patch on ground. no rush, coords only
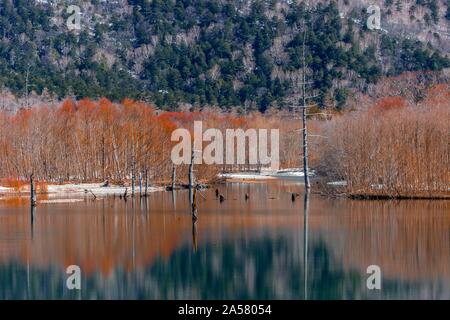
(4, 189)
(266, 174)
(95, 188)
(87, 188)
(245, 176)
(338, 183)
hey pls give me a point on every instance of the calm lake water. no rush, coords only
(263, 248)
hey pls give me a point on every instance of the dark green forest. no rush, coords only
(202, 52)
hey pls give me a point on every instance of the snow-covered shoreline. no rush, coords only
(77, 189)
(73, 190)
(95, 188)
(266, 174)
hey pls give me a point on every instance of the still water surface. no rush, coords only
(263, 248)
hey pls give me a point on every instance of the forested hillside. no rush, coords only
(226, 53)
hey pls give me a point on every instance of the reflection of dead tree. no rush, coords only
(305, 244)
(194, 218)
(194, 235)
(33, 217)
(174, 200)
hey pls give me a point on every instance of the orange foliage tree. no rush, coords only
(89, 140)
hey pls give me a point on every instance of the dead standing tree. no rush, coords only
(191, 178)
(32, 191)
(304, 118)
(305, 97)
(146, 183)
(133, 177)
(174, 176)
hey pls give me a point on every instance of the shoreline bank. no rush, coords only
(324, 188)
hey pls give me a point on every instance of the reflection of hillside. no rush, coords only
(263, 268)
(228, 270)
(409, 240)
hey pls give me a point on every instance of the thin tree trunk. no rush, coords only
(32, 191)
(304, 120)
(146, 182)
(140, 184)
(132, 177)
(191, 178)
(174, 176)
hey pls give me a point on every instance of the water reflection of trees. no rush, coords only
(120, 245)
(257, 268)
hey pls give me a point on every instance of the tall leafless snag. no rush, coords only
(133, 177)
(191, 178)
(304, 119)
(305, 97)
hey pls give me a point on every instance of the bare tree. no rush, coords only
(304, 116)
(301, 86)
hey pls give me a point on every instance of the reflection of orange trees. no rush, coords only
(102, 236)
(14, 201)
(116, 240)
(93, 242)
